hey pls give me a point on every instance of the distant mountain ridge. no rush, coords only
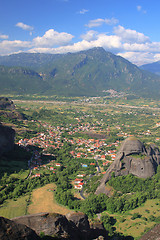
(85, 73)
(152, 67)
(20, 80)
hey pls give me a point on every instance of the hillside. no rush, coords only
(152, 67)
(20, 80)
(31, 60)
(88, 73)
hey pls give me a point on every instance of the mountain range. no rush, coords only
(152, 67)
(86, 73)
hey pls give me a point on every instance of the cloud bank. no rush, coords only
(3, 36)
(128, 43)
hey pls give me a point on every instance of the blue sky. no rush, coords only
(129, 28)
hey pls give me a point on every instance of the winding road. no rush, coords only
(98, 171)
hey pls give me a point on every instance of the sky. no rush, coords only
(129, 28)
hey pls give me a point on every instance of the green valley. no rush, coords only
(63, 149)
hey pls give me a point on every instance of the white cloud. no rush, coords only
(139, 58)
(24, 26)
(156, 57)
(83, 11)
(52, 38)
(130, 36)
(140, 9)
(90, 35)
(8, 47)
(107, 42)
(98, 22)
(128, 43)
(2, 36)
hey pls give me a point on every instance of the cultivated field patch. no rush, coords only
(43, 201)
(11, 208)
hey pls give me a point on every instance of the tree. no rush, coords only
(108, 223)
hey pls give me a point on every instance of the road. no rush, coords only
(98, 171)
(29, 164)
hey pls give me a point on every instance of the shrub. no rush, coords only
(136, 215)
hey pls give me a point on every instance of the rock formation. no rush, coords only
(153, 234)
(73, 226)
(10, 230)
(132, 158)
(8, 109)
(50, 224)
(7, 136)
(81, 222)
(5, 103)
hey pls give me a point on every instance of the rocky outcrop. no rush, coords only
(74, 226)
(8, 109)
(7, 136)
(51, 224)
(10, 230)
(132, 146)
(132, 158)
(153, 234)
(5, 103)
(81, 222)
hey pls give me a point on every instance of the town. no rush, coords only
(63, 150)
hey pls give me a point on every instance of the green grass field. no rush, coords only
(11, 208)
(21, 175)
(136, 227)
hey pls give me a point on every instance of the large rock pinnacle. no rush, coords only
(132, 158)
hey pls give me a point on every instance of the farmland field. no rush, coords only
(13, 208)
(43, 201)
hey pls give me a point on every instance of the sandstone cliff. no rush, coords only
(134, 158)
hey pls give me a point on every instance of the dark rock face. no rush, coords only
(7, 135)
(98, 231)
(74, 226)
(13, 114)
(132, 158)
(81, 222)
(8, 110)
(10, 230)
(50, 224)
(5, 103)
(132, 146)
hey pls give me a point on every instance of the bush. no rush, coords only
(108, 223)
(152, 218)
(122, 220)
(136, 215)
